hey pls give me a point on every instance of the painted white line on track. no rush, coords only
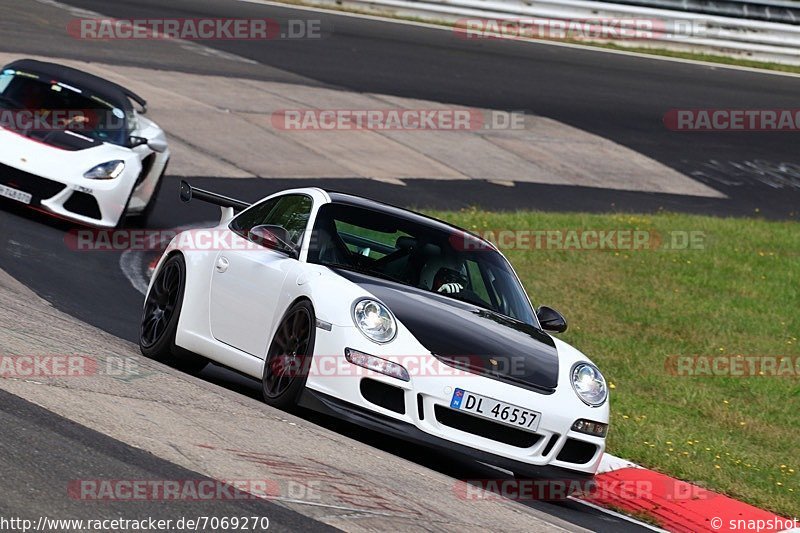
(609, 463)
(133, 263)
(586, 47)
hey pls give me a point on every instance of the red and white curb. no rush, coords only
(676, 505)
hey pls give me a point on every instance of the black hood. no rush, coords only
(468, 337)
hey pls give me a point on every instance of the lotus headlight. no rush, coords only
(589, 384)
(106, 171)
(374, 320)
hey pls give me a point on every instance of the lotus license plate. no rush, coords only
(14, 194)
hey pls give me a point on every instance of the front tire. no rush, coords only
(289, 357)
(162, 310)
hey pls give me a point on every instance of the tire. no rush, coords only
(160, 316)
(289, 357)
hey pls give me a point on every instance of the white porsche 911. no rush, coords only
(72, 145)
(382, 317)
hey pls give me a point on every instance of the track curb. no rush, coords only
(676, 505)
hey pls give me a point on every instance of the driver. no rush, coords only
(450, 281)
(76, 120)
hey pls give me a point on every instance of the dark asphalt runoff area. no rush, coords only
(621, 98)
(46, 459)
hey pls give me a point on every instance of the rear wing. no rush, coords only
(228, 205)
(136, 98)
(188, 193)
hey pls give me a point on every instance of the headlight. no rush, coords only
(589, 384)
(106, 171)
(374, 320)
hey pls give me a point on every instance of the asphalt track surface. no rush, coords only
(618, 97)
(621, 98)
(43, 454)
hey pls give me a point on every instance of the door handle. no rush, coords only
(222, 264)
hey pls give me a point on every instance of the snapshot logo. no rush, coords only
(732, 120)
(594, 489)
(198, 490)
(733, 366)
(72, 366)
(400, 119)
(610, 239)
(194, 29)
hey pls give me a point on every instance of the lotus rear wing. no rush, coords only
(229, 205)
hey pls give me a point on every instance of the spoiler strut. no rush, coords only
(188, 193)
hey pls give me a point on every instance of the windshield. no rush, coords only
(424, 256)
(45, 110)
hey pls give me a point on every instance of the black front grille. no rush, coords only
(83, 204)
(552, 442)
(485, 428)
(379, 393)
(40, 188)
(577, 451)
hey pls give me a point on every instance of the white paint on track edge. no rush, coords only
(133, 262)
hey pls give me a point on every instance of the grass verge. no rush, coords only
(738, 294)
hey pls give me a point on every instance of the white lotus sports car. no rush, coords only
(73, 145)
(382, 317)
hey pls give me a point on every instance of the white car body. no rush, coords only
(54, 177)
(235, 298)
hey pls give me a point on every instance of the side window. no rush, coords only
(5, 79)
(252, 217)
(291, 212)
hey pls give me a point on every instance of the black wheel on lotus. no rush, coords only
(160, 317)
(289, 357)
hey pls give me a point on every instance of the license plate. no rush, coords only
(502, 412)
(14, 194)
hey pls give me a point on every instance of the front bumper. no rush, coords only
(97, 203)
(419, 410)
(362, 417)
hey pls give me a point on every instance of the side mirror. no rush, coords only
(156, 145)
(273, 237)
(551, 320)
